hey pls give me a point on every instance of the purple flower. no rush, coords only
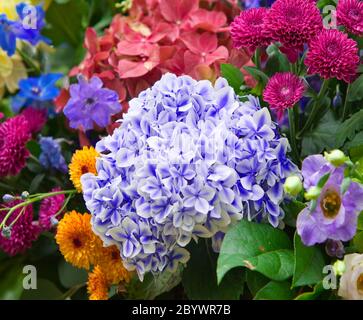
(51, 154)
(8, 35)
(336, 213)
(90, 103)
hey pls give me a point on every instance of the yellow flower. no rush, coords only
(77, 242)
(83, 161)
(97, 285)
(109, 260)
(12, 70)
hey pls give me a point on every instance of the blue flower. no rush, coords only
(25, 30)
(32, 90)
(189, 159)
(8, 31)
(51, 155)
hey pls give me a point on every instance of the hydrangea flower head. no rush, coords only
(283, 91)
(14, 135)
(294, 22)
(188, 160)
(333, 55)
(350, 15)
(91, 104)
(248, 30)
(335, 216)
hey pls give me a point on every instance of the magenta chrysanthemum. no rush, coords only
(48, 208)
(23, 232)
(14, 134)
(294, 22)
(36, 118)
(248, 29)
(283, 91)
(350, 15)
(333, 55)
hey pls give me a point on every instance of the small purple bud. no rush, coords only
(337, 100)
(6, 232)
(334, 248)
(8, 198)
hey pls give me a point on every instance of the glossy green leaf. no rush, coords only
(233, 75)
(258, 247)
(70, 276)
(275, 291)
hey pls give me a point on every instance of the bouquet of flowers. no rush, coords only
(192, 149)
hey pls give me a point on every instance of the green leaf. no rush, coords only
(275, 291)
(34, 185)
(324, 136)
(46, 290)
(349, 127)
(356, 90)
(11, 284)
(255, 281)
(70, 276)
(313, 295)
(309, 264)
(360, 221)
(257, 74)
(358, 241)
(34, 148)
(233, 75)
(277, 61)
(153, 286)
(200, 278)
(258, 247)
(292, 209)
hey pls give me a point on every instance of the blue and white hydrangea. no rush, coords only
(188, 160)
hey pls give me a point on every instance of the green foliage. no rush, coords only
(356, 90)
(11, 284)
(259, 247)
(233, 75)
(277, 61)
(275, 291)
(70, 276)
(153, 286)
(255, 281)
(46, 290)
(348, 128)
(200, 278)
(308, 264)
(322, 137)
(292, 209)
(312, 295)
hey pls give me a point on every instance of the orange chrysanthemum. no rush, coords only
(109, 260)
(77, 243)
(83, 161)
(97, 285)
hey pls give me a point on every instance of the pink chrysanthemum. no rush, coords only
(14, 134)
(350, 15)
(23, 232)
(294, 22)
(283, 91)
(36, 119)
(333, 55)
(48, 208)
(248, 29)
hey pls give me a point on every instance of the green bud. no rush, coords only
(24, 195)
(336, 157)
(313, 193)
(6, 232)
(339, 267)
(293, 185)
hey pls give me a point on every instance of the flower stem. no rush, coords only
(31, 200)
(346, 103)
(257, 58)
(316, 110)
(292, 130)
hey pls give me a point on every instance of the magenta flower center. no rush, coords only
(354, 14)
(292, 14)
(332, 48)
(330, 204)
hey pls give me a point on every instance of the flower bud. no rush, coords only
(8, 198)
(337, 100)
(6, 232)
(313, 193)
(293, 185)
(334, 248)
(53, 221)
(336, 157)
(339, 267)
(24, 195)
